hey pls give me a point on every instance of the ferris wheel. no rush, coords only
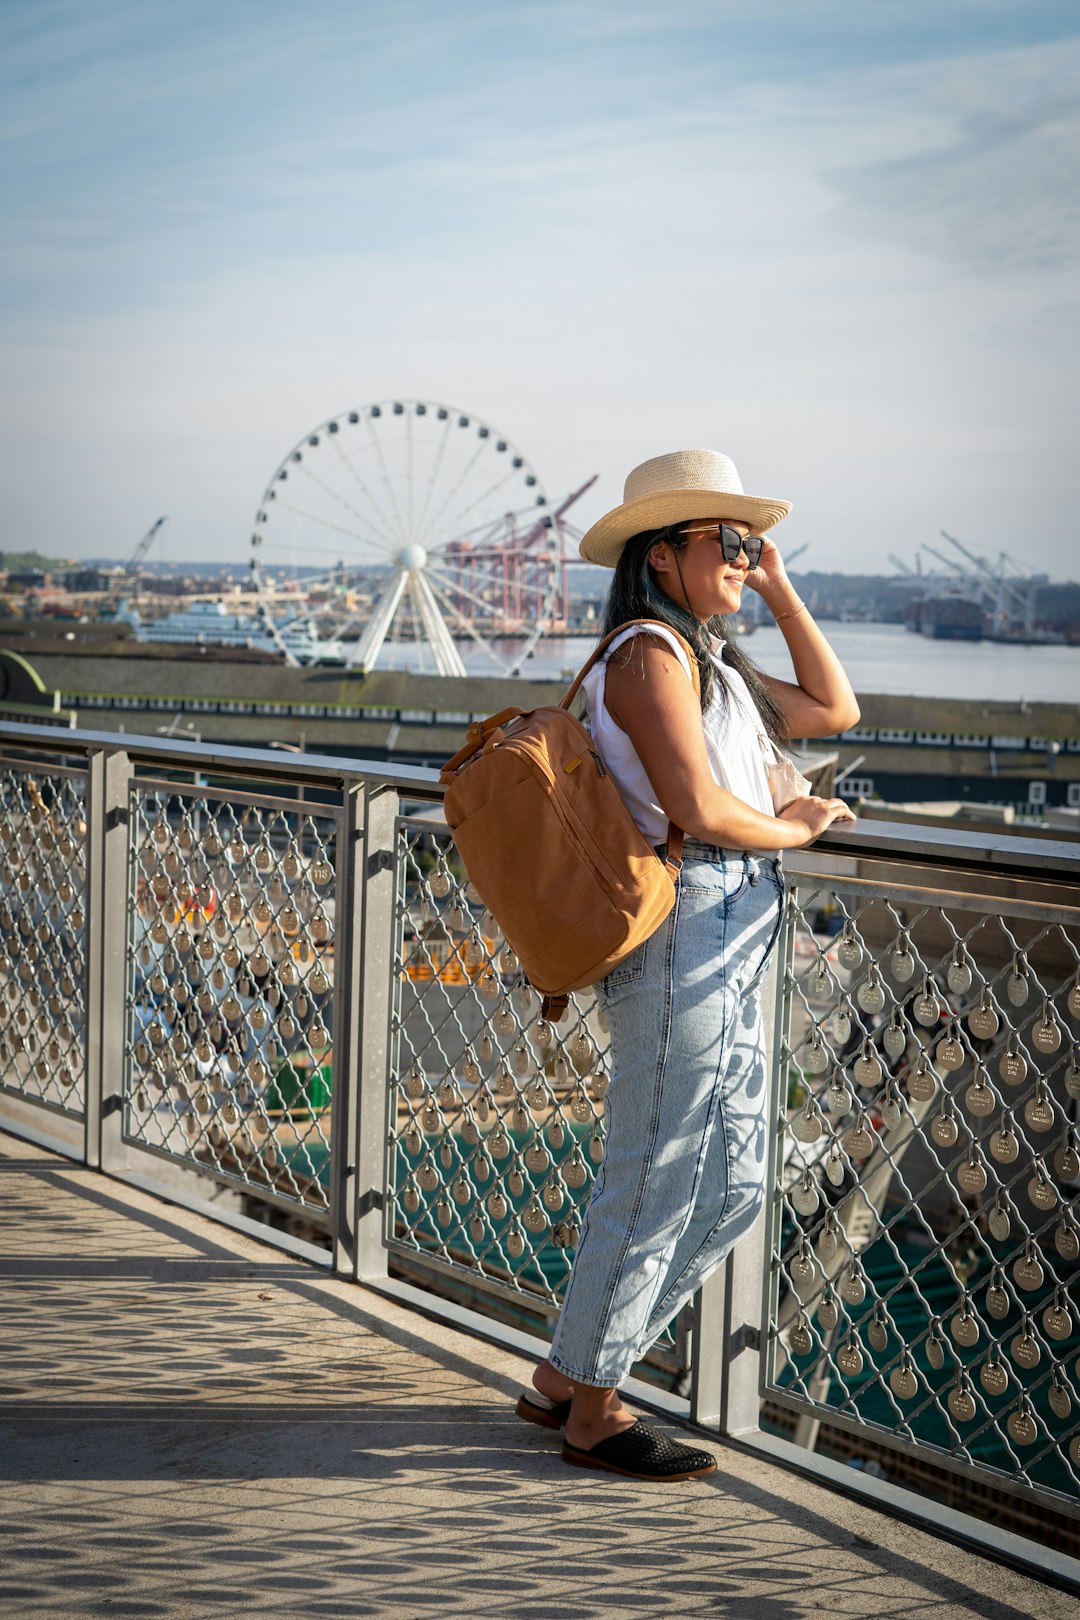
(403, 533)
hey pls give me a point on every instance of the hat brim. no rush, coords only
(603, 543)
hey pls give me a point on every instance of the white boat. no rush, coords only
(210, 624)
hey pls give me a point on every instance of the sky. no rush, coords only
(837, 242)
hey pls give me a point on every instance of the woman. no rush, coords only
(684, 1165)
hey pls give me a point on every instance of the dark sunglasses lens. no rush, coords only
(732, 543)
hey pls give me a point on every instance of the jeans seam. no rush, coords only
(715, 1108)
(596, 1344)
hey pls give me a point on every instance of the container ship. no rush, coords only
(947, 618)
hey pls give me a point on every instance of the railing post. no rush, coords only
(371, 996)
(108, 925)
(348, 991)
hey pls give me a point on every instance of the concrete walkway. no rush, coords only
(192, 1424)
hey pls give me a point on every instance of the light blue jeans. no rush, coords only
(683, 1175)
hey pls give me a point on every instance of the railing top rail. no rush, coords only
(220, 758)
(1011, 855)
(979, 850)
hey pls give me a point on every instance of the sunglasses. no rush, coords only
(732, 542)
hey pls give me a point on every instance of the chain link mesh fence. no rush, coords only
(924, 1234)
(43, 904)
(230, 1000)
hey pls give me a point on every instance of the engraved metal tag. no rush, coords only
(827, 1313)
(950, 1051)
(983, 1021)
(999, 1223)
(1028, 1271)
(1024, 1349)
(1067, 1240)
(878, 1334)
(1038, 1111)
(1018, 988)
(849, 951)
(802, 1340)
(1004, 1145)
(1067, 1161)
(958, 976)
(903, 1383)
(816, 1060)
(870, 995)
(935, 1352)
(802, 1266)
(1021, 1425)
(859, 1141)
(849, 1359)
(902, 963)
(853, 1287)
(961, 1404)
(806, 1197)
(922, 1082)
(894, 1040)
(1058, 1396)
(867, 1070)
(1013, 1066)
(807, 1125)
(1072, 1073)
(841, 1024)
(980, 1098)
(838, 1098)
(1046, 1034)
(834, 1166)
(972, 1176)
(997, 1299)
(994, 1377)
(1057, 1321)
(926, 1006)
(1042, 1192)
(944, 1130)
(821, 983)
(965, 1328)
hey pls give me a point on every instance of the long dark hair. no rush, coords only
(635, 593)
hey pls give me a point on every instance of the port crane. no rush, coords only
(133, 566)
(1008, 599)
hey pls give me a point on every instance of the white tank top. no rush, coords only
(733, 732)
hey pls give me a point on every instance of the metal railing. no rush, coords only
(270, 974)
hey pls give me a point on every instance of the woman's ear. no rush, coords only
(661, 558)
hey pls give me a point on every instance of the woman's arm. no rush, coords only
(820, 700)
(649, 697)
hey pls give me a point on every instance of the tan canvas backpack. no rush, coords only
(550, 846)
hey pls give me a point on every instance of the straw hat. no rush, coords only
(672, 489)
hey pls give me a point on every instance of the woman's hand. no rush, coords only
(813, 815)
(770, 577)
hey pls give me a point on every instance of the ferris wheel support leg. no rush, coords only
(369, 646)
(447, 658)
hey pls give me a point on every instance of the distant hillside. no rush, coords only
(19, 561)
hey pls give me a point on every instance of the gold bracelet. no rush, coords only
(792, 613)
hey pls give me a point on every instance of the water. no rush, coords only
(878, 658)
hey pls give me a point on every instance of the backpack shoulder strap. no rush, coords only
(673, 859)
(602, 646)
